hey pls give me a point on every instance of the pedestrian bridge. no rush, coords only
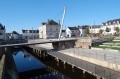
(40, 41)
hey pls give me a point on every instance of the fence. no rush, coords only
(97, 56)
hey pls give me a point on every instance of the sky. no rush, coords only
(29, 14)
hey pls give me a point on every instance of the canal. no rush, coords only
(32, 66)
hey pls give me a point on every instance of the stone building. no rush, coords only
(2, 32)
(49, 29)
(30, 34)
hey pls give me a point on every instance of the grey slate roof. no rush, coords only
(50, 22)
(73, 28)
(14, 32)
(2, 27)
(83, 26)
(112, 21)
(96, 26)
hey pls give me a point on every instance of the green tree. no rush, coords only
(87, 31)
(117, 29)
(107, 29)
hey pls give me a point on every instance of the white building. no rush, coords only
(83, 30)
(13, 35)
(63, 33)
(30, 34)
(111, 24)
(73, 32)
(49, 29)
(95, 29)
(2, 32)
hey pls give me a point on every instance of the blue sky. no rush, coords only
(28, 14)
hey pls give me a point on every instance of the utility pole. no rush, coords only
(94, 27)
(62, 23)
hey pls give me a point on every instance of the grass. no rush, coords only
(113, 43)
(116, 38)
(115, 48)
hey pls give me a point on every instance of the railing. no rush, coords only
(106, 56)
(96, 54)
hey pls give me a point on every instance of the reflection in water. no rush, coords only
(25, 62)
(31, 68)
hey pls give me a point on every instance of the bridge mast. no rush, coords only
(62, 23)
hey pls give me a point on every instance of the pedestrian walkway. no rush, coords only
(89, 67)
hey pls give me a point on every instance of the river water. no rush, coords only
(33, 66)
(30, 67)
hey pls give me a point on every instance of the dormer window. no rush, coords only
(114, 22)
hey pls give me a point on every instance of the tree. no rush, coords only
(107, 29)
(100, 31)
(87, 31)
(117, 29)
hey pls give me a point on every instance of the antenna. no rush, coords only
(62, 23)
(94, 26)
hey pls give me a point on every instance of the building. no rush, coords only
(83, 30)
(110, 24)
(13, 35)
(49, 29)
(63, 33)
(94, 29)
(30, 34)
(73, 32)
(2, 32)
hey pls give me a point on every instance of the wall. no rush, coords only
(111, 27)
(2, 66)
(49, 31)
(3, 34)
(83, 43)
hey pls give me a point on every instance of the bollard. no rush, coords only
(73, 67)
(64, 64)
(57, 61)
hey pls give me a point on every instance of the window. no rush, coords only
(56, 30)
(50, 29)
(0, 33)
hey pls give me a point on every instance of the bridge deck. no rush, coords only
(96, 69)
(34, 42)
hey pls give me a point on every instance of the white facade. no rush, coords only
(30, 34)
(73, 32)
(50, 29)
(15, 35)
(112, 31)
(95, 29)
(2, 32)
(111, 24)
(63, 34)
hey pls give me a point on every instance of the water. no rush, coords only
(26, 62)
(29, 67)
